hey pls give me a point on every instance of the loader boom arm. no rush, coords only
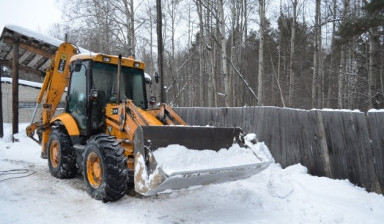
(55, 82)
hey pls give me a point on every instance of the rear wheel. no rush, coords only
(104, 168)
(61, 155)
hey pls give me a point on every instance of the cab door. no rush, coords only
(77, 97)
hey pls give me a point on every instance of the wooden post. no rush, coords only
(1, 106)
(15, 89)
(160, 50)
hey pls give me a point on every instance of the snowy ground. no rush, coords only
(274, 196)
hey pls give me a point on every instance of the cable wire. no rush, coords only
(23, 172)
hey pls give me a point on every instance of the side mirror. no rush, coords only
(157, 76)
(148, 79)
(94, 94)
(152, 100)
(78, 64)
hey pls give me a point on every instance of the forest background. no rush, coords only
(287, 53)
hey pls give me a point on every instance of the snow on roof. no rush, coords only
(40, 37)
(84, 51)
(23, 82)
(32, 34)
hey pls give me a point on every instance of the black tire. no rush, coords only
(61, 155)
(108, 181)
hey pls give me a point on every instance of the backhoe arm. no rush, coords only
(55, 82)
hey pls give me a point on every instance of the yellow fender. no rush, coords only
(69, 123)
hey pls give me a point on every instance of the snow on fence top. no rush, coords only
(22, 82)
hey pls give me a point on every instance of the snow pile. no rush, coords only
(275, 195)
(177, 158)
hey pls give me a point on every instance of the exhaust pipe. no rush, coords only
(118, 79)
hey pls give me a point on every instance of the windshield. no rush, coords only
(131, 83)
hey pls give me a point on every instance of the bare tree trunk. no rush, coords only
(233, 52)
(341, 79)
(130, 25)
(244, 81)
(245, 20)
(278, 83)
(173, 30)
(292, 55)
(172, 60)
(213, 100)
(132, 28)
(381, 76)
(211, 81)
(319, 81)
(201, 52)
(210, 54)
(279, 60)
(261, 52)
(160, 50)
(333, 64)
(216, 62)
(224, 71)
(151, 39)
(341, 75)
(315, 56)
(371, 66)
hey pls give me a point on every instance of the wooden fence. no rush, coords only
(335, 144)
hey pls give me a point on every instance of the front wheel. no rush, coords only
(61, 155)
(104, 168)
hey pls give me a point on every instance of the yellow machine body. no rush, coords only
(126, 132)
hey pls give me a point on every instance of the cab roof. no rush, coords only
(109, 59)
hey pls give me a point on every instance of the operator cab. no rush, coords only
(93, 84)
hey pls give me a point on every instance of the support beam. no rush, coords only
(24, 57)
(23, 68)
(30, 48)
(44, 66)
(34, 60)
(15, 89)
(9, 55)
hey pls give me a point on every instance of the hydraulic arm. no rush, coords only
(55, 82)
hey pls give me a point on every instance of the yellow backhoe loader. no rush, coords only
(108, 133)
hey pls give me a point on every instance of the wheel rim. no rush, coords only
(94, 170)
(54, 153)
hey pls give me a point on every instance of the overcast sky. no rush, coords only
(36, 15)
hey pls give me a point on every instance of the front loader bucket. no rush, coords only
(150, 177)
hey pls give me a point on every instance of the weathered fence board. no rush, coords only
(376, 132)
(338, 144)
